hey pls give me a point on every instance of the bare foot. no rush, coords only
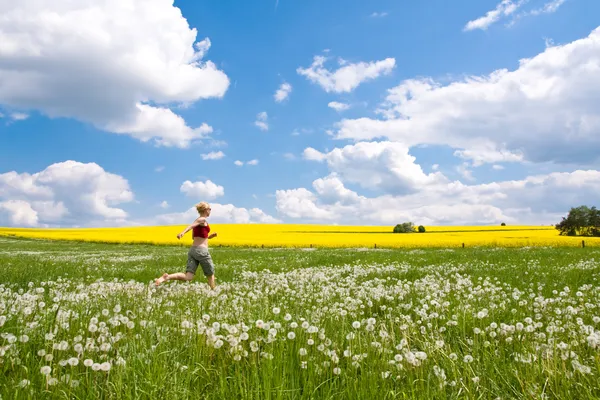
(161, 279)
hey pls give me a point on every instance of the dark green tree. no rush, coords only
(406, 227)
(581, 221)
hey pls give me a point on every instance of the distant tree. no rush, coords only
(406, 227)
(581, 221)
(503, 224)
(421, 229)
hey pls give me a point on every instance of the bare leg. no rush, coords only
(179, 276)
(211, 281)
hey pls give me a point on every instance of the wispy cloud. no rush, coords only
(504, 9)
(213, 155)
(338, 106)
(261, 121)
(508, 8)
(548, 8)
(379, 14)
(19, 116)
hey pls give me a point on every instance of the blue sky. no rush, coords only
(443, 124)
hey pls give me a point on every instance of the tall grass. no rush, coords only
(295, 324)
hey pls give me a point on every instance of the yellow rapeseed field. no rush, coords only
(285, 235)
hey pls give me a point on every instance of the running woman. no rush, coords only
(198, 253)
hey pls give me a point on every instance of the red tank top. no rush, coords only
(201, 231)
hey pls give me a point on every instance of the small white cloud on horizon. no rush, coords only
(164, 204)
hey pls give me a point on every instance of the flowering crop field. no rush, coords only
(84, 320)
(298, 236)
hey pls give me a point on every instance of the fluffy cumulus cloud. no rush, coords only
(116, 64)
(64, 194)
(220, 214)
(541, 199)
(385, 166)
(348, 76)
(202, 190)
(543, 111)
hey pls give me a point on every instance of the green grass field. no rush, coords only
(84, 321)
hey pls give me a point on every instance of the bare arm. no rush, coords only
(199, 221)
(212, 235)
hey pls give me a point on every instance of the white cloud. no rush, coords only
(536, 199)
(160, 168)
(301, 204)
(283, 92)
(379, 14)
(261, 121)
(220, 213)
(17, 213)
(302, 131)
(213, 155)
(386, 166)
(464, 170)
(114, 64)
(164, 204)
(348, 77)
(548, 8)
(504, 8)
(338, 106)
(497, 167)
(289, 156)
(544, 111)
(252, 162)
(238, 163)
(64, 194)
(19, 116)
(203, 190)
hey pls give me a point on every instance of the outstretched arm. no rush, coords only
(212, 235)
(199, 221)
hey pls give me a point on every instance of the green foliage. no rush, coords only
(421, 229)
(581, 221)
(406, 227)
(503, 224)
